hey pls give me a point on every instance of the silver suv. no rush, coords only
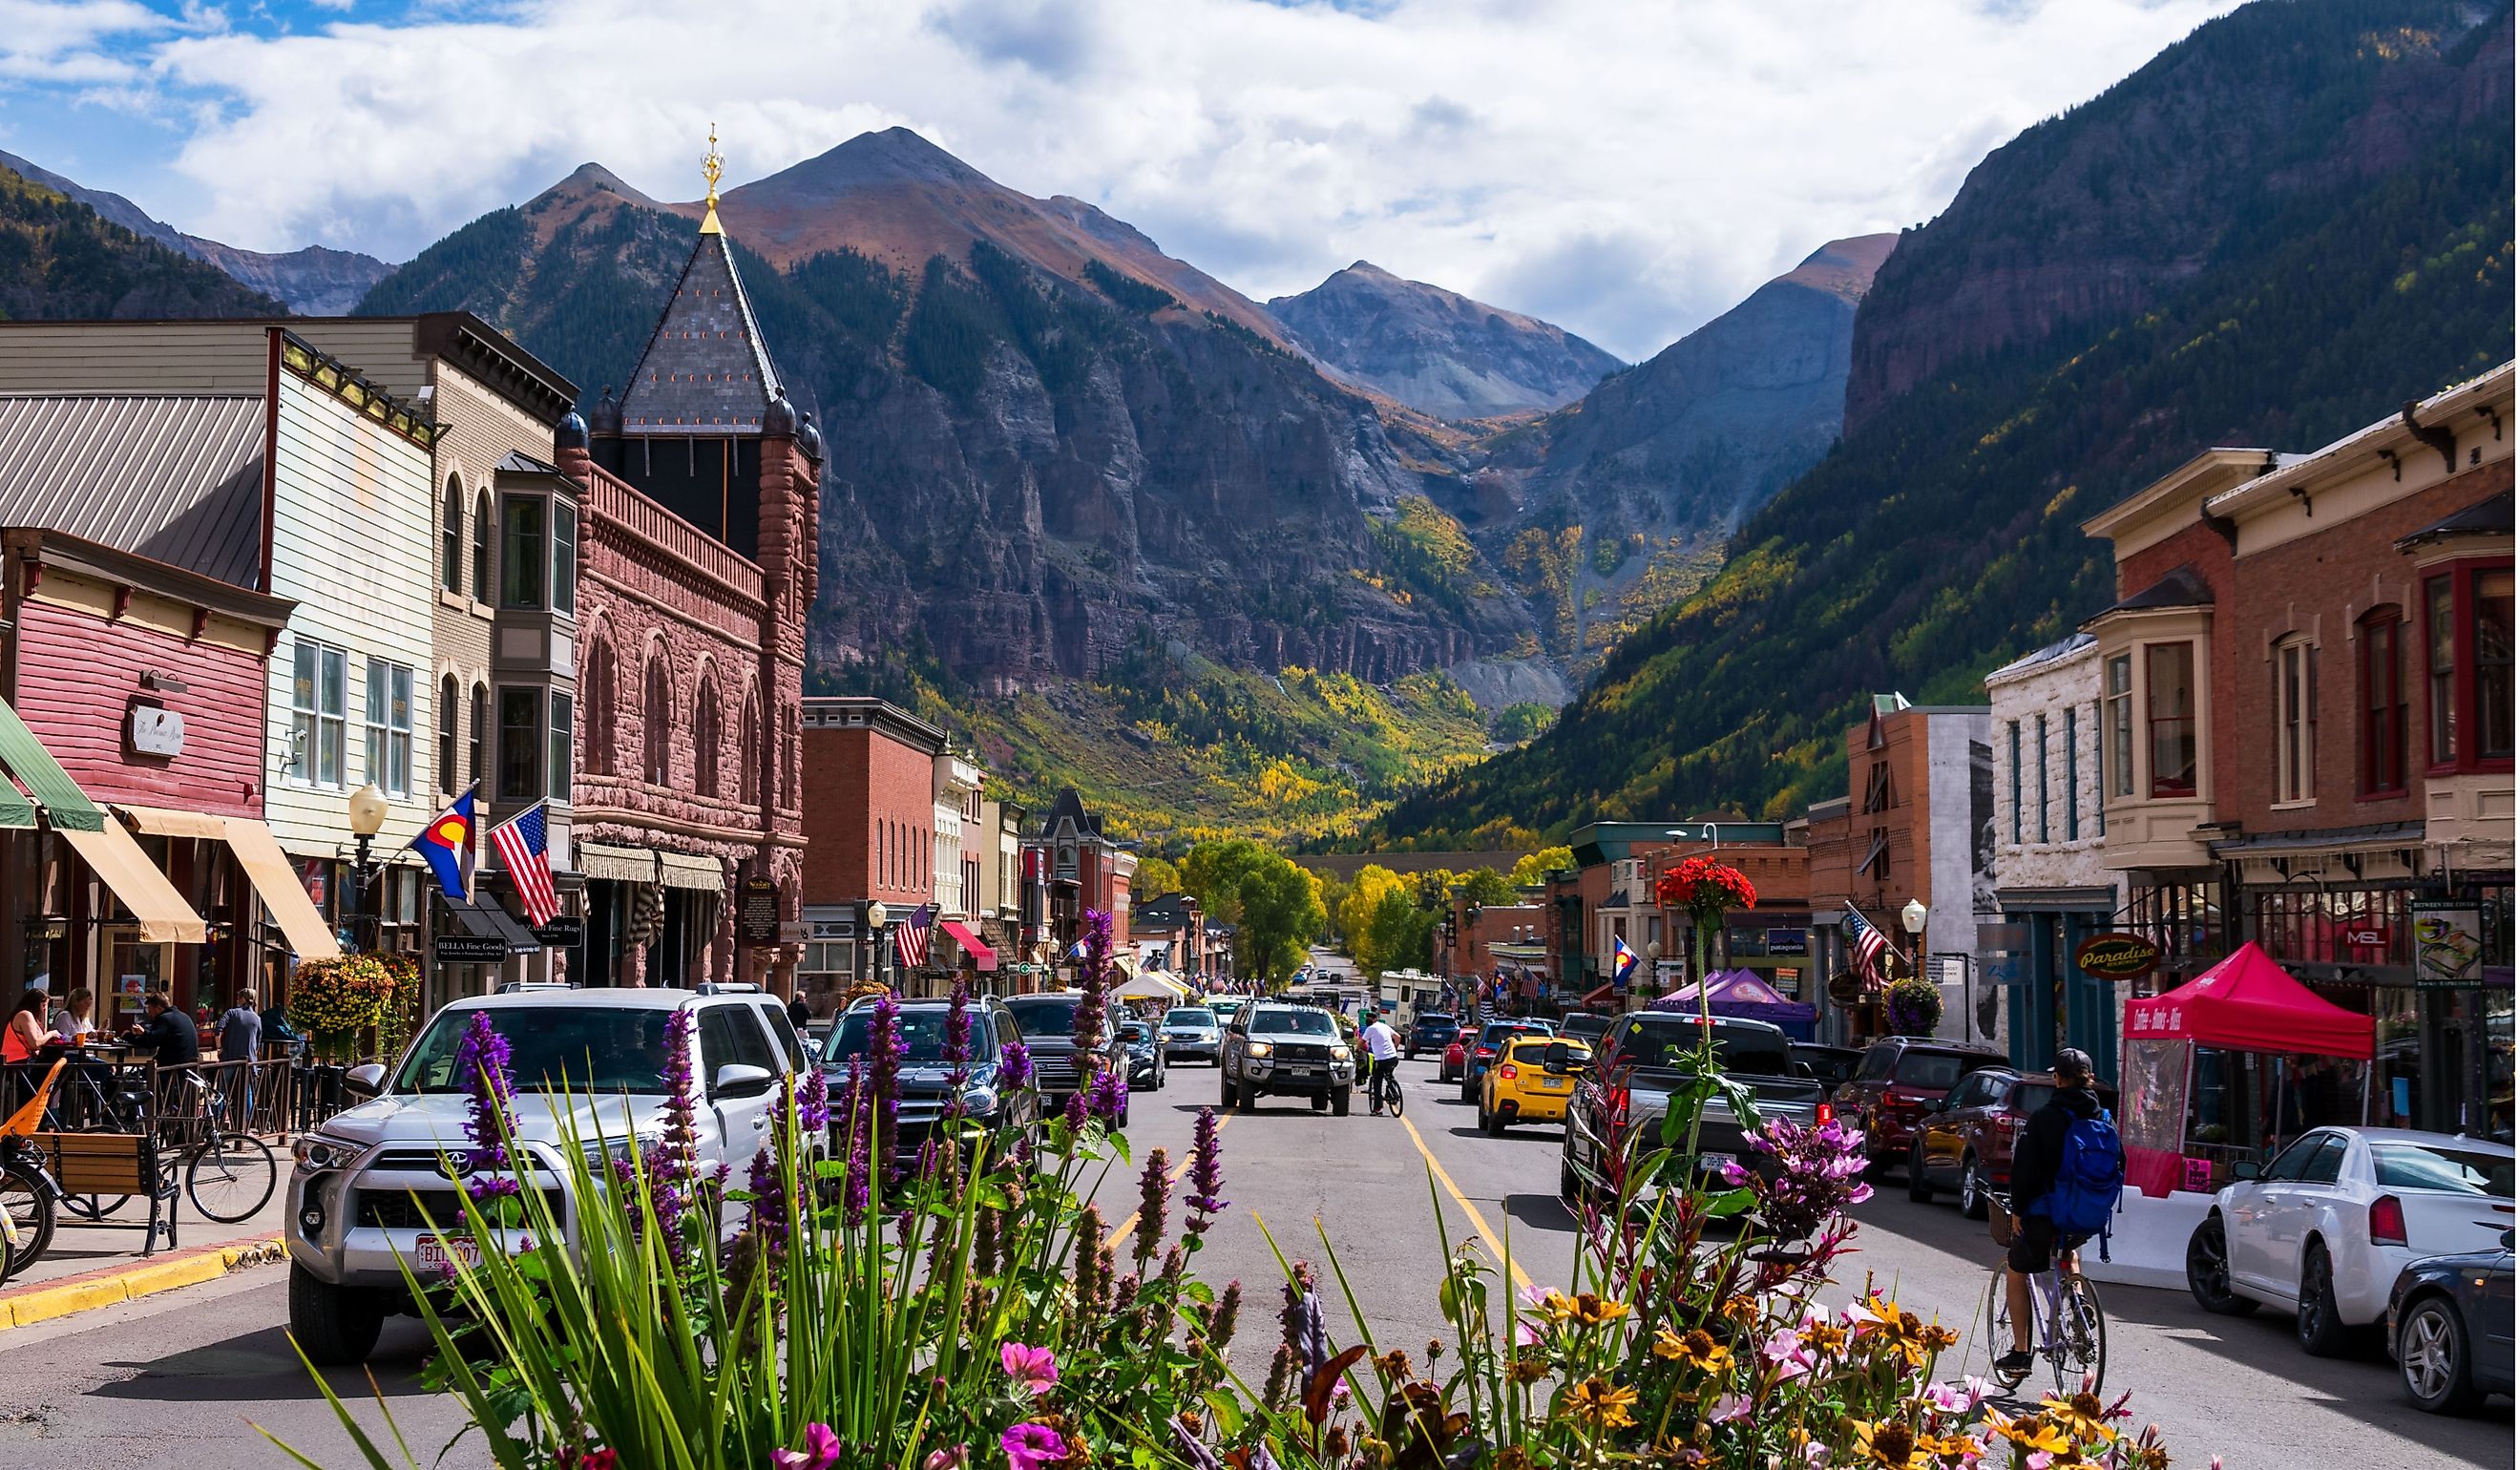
(364, 1176)
(1289, 1051)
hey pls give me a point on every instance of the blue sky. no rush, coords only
(1623, 167)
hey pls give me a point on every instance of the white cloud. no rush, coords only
(1626, 167)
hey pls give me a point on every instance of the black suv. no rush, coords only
(1049, 1025)
(928, 1078)
(1287, 1051)
(1431, 1031)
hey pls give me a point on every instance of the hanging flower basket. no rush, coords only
(337, 1000)
(1916, 1006)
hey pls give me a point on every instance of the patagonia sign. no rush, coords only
(2117, 957)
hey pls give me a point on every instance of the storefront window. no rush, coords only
(2119, 715)
(520, 744)
(2490, 633)
(2170, 717)
(522, 550)
(2300, 924)
(2401, 1083)
(2384, 705)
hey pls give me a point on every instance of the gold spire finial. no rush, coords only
(712, 168)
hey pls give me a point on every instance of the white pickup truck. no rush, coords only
(365, 1177)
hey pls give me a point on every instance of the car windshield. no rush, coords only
(1136, 1031)
(1045, 1015)
(1294, 1023)
(923, 1037)
(1535, 1050)
(1586, 1025)
(1670, 1042)
(599, 1048)
(1937, 1070)
(1434, 1021)
(1190, 1015)
(1499, 1031)
(2439, 1166)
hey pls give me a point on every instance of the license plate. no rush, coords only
(1303, 1071)
(440, 1250)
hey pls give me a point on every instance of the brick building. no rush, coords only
(696, 565)
(1490, 942)
(1079, 866)
(2308, 730)
(1771, 939)
(870, 771)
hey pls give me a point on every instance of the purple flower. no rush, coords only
(856, 1102)
(1109, 1096)
(884, 1075)
(1030, 1446)
(1815, 1178)
(1206, 1174)
(814, 1103)
(822, 1451)
(768, 1211)
(1015, 1067)
(1155, 1194)
(481, 1061)
(1076, 1111)
(957, 1048)
(1095, 978)
(1035, 1370)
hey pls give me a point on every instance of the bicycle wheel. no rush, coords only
(231, 1177)
(1996, 1321)
(1391, 1093)
(2080, 1353)
(29, 1205)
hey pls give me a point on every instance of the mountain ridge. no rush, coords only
(1438, 351)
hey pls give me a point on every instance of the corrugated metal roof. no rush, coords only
(176, 477)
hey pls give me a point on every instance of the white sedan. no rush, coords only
(2324, 1229)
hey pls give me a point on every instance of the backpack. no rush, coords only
(2090, 1170)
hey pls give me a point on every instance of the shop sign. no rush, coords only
(156, 731)
(2365, 936)
(2003, 969)
(2117, 957)
(756, 912)
(1788, 940)
(566, 931)
(797, 933)
(469, 949)
(2449, 947)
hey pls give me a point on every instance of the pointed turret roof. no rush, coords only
(707, 369)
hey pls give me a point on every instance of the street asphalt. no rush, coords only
(181, 1378)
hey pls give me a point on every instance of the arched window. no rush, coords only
(787, 770)
(450, 712)
(601, 702)
(705, 738)
(450, 544)
(480, 724)
(659, 720)
(747, 750)
(482, 583)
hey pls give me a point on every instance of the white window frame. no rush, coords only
(319, 736)
(389, 731)
(2116, 726)
(2296, 722)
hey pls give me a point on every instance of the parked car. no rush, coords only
(1048, 1021)
(2450, 1328)
(1832, 1066)
(1433, 1031)
(1146, 1055)
(1227, 1008)
(1531, 1083)
(1586, 1025)
(2325, 1229)
(1455, 1063)
(1274, 1050)
(1900, 1078)
(1645, 1058)
(370, 1192)
(1191, 1033)
(927, 1078)
(1965, 1139)
(1490, 1041)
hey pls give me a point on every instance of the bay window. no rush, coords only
(2467, 658)
(564, 570)
(2383, 700)
(520, 744)
(2170, 717)
(2441, 704)
(2489, 639)
(2118, 717)
(523, 551)
(2296, 722)
(564, 726)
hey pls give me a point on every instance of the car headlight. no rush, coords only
(1339, 1053)
(315, 1153)
(979, 1103)
(1257, 1049)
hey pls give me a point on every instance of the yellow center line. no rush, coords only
(1479, 1222)
(1188, 1157)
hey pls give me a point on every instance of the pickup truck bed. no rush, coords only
(1633, 1061)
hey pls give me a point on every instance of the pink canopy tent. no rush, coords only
(2244, 1003)
(1745, 995)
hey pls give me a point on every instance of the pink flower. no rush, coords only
(822, 1451)
(954, 1458)
(1785, 1353)
(1729, 1408)
(1030, 1446)
(1034, 1369)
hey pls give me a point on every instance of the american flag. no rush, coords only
(1869, 946)
(524, 845)
(911, 938)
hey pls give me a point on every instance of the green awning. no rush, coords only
(27, 759)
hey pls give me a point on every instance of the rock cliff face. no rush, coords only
(1436, 350)
(313, 282)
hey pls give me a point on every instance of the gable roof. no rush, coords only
(706, 370)
(173, 477)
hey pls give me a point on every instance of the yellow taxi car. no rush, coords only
(1523, 1087)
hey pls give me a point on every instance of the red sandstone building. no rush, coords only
(871, 824)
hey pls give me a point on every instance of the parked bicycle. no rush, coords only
(2068, 1332)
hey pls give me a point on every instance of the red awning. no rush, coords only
(973, 945)
(1596, 996)
(2248, 1003)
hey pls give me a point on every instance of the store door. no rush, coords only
(133, 967)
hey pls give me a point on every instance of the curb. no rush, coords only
(112, 1285)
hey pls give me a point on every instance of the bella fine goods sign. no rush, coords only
(2117, 957)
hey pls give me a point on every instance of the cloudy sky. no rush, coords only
(1623, 167)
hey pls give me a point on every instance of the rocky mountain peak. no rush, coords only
(1438, 351)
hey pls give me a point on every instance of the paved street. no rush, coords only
(118, 1387)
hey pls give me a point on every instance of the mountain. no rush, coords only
(1618, 502)
(59, 258)
(2354, 161)
(1436, 350)
(313, 282)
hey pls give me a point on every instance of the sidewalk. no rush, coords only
(89, 1267)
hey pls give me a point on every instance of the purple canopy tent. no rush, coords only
(1743, 996)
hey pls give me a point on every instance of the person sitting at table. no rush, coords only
(170, 1034)
(26, 1033)
(76, 1019)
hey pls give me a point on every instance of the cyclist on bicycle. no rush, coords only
(2059, 1175)
(1383, 1050)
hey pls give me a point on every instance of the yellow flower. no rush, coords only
(1889, 1442)
(2081, 1416)
(1738, 1309)
(1698, 1349)
(1557, 1306)
(2032, 1431)
(1590, 1310)
(1900, 1330)
(1824, 1338)
(1601, 1403)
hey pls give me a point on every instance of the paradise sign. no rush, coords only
(2117, 957)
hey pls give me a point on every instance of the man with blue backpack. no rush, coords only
(2068, 1169)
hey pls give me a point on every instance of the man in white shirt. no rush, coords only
(1382, 1047)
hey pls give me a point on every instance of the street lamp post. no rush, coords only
(871, 917)
(1913, 918)
(368, 810)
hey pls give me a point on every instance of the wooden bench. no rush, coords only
(107, 1165)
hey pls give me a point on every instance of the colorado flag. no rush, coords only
(1623, 959)
(447, 843)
